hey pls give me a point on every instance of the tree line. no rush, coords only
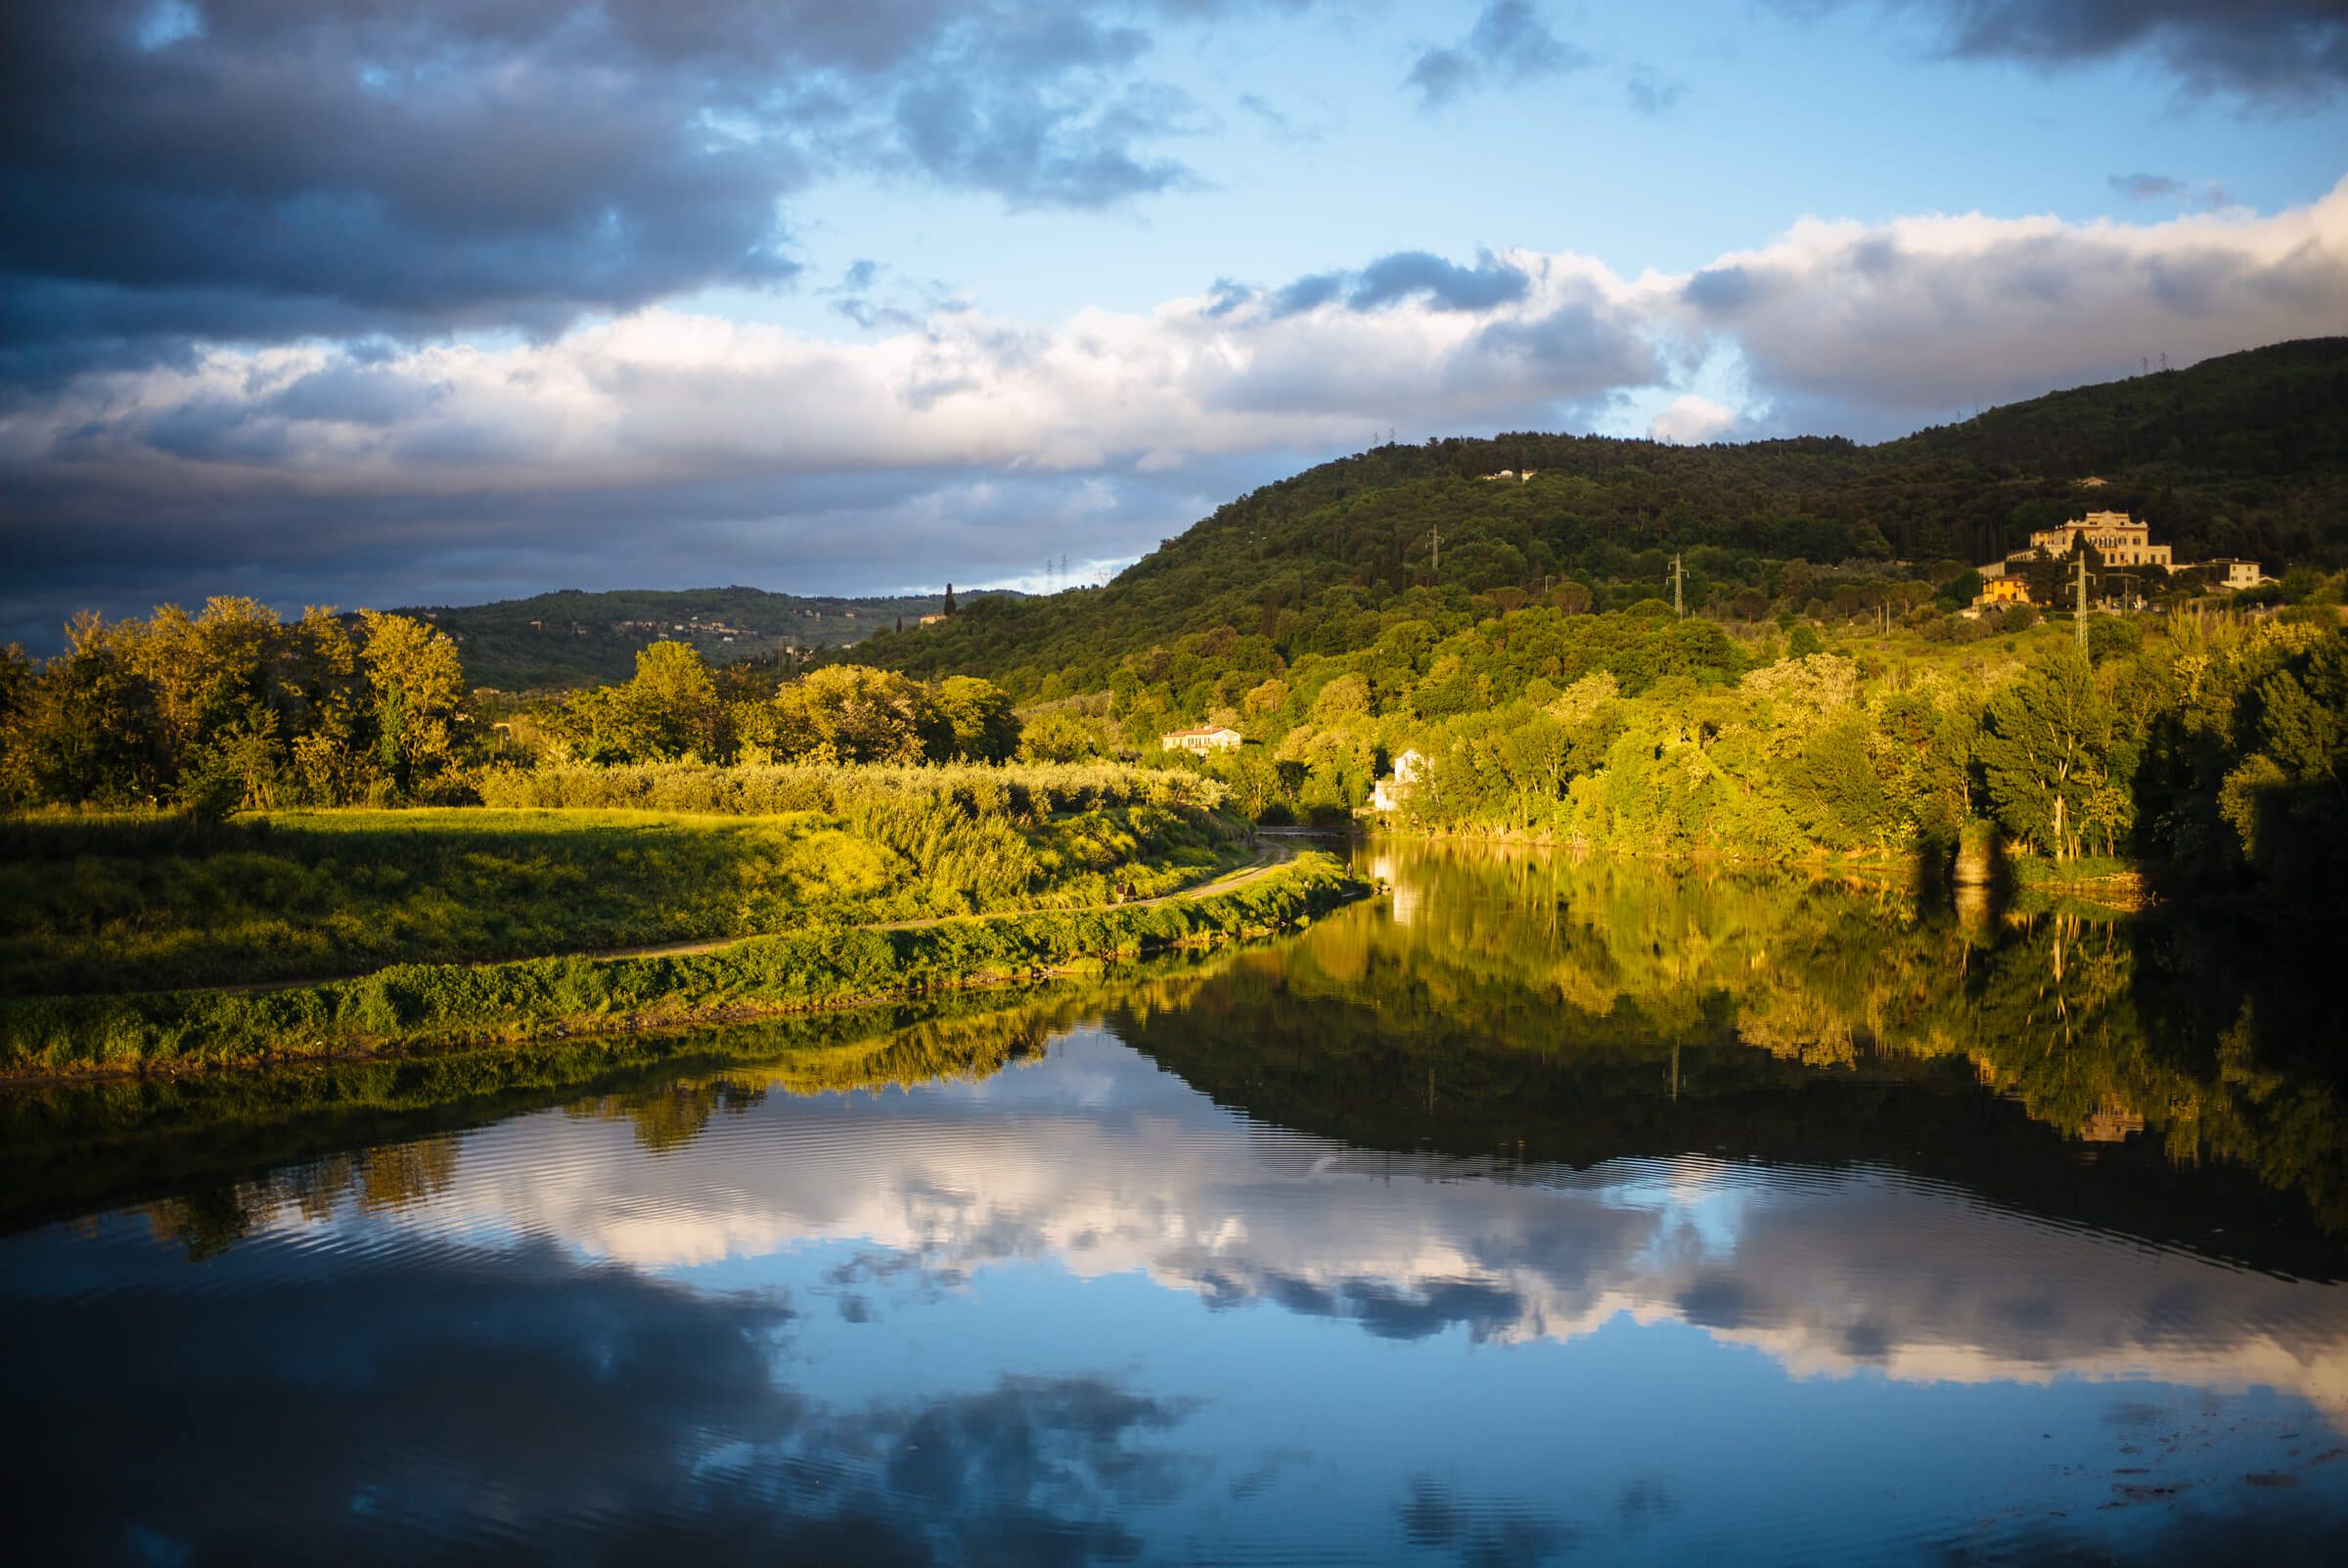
(2216, 745)
(234, 707)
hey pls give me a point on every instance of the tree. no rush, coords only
(1534, 755)
(678, 700)
(2044, 751)
(670, 709)
(416, 681)
(949, 604)
(977, 720)
(2288, 799)
(851, 713)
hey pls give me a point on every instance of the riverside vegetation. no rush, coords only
(136, 903)
(826, 808)
(413, 1005)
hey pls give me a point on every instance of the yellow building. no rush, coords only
(2002, 591)
(2121, 540)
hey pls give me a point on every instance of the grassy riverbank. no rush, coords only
(420, 1006)
(130, 902)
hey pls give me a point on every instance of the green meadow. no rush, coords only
(118, 902)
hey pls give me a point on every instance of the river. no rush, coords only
(1536, 1212)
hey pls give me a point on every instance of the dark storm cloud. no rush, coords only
(1509, 45)
(1446, 285)
(2282, 54)
(2166, 187)
(263, 169)
(352, 393)
(1308, 293)
(1722, 290)
(2147, 187)
(1398, 277)
(871, 532)
(1037, 153)
(1600, 352)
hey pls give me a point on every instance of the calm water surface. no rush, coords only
(1536, 1214)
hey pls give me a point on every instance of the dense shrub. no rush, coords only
(1022, 792)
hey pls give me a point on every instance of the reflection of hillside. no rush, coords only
(1585, 1011)
(235, 1147)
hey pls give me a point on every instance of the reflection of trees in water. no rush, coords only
(203, 1134)
(211, 1219)
(2206, 1037)
(672, 1114)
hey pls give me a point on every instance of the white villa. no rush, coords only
(1386, 793)
(2120, 539)
(1201, 739)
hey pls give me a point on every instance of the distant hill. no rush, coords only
(572, 639)
(2246, 455)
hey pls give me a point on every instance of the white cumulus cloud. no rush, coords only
(1691, 420)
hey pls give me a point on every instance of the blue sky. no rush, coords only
(434, 302)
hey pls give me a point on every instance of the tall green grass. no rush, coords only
(438, 1004)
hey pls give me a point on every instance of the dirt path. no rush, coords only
(1268, 857)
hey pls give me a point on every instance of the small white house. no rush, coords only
(1386, 794)
(1201, 739)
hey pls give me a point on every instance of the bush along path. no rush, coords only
(440, 1005)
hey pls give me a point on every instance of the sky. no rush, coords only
(437, 301)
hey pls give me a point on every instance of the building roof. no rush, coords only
(1198, 729)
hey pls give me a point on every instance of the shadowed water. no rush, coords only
(1539, 1213)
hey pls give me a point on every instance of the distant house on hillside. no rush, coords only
(932, 620)
(2002, 590)
(2120, 539)
(1387, 795)
(1202, 739)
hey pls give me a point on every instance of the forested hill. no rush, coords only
(572, 639)
(2245, 455)
(2272, 414)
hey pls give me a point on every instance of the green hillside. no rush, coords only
(2244, 456)
(572, 639)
